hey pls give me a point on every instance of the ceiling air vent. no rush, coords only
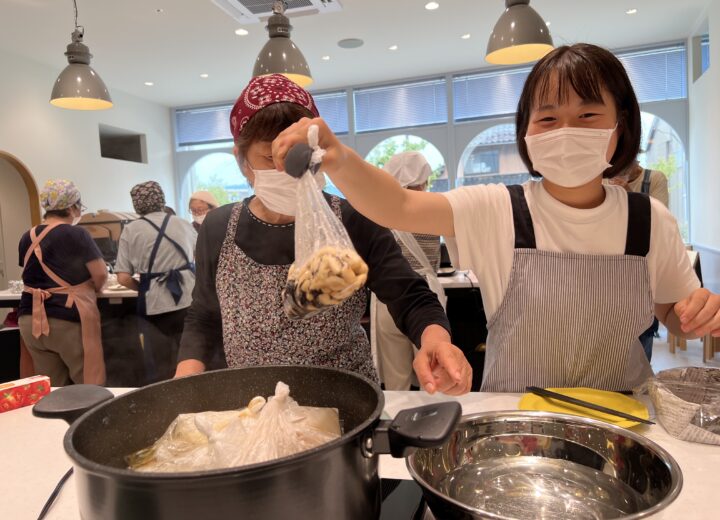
(248, 12)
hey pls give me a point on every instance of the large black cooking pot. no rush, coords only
(338, 480)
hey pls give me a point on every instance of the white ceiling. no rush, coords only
(132, 44)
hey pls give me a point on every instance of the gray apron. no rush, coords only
(568, 319)
(256, 330)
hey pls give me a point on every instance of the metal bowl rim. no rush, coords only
(675, 471)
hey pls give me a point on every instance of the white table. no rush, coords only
(8, 298)
(459, 280)
(33, 460)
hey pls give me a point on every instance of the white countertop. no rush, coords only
(459, 280)
(8, 295)
(33, 460)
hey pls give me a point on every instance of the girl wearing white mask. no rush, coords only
(571, 271)
(244, 251)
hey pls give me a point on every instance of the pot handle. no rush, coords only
(70, 402)
(423, 427)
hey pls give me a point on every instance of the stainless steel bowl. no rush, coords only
(518, 465)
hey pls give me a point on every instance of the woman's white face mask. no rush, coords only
(198, 219)
(570, 157)
(278, 190)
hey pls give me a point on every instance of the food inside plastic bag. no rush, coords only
(327, 269)
(263, 431)
(687, 402)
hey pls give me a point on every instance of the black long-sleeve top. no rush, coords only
(411, 303)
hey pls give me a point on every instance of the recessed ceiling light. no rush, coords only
(393, 48)
(326, 58)
(431, 6)
(203, 75)
(241, 32)
(149, 83)
(159, 11)
(350, 43)
(465, 36)
(631, 11)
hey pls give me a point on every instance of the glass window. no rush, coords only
(202, 126)
(492, 157)
(657, 74)
(487, 94)
(219, 174)
(333, 109)
(661, 149)
(397, 106)
(704, 53)
(383, 151)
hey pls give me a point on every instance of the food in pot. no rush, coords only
(264, 430)
(329, 277)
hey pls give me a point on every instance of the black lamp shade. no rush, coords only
(519, 36)
(281, 56)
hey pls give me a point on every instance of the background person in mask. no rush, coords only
(62, 271)
(571, 271)
(201, 203)
(393, 350)
(159, 247)
(245, 250)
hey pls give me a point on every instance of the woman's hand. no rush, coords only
(335, 151)
(699, 313)
(189, 367)
(440, 365)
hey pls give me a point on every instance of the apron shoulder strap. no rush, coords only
(522, 221)
(156, 245)
(646, 182)
(637, 242)
(161, 235)
(36, 249)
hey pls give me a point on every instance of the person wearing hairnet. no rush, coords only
(393, 351)
(201, 203)
(62, 271)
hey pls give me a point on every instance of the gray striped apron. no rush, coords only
(568, 319)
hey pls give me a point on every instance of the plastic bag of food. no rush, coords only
(264, 430)
(327, 269)
(282, 428)
(687, 402)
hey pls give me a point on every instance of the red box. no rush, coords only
(23, 392)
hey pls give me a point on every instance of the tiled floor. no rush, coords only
(662, 359)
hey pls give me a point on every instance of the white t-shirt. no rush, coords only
(485, 237)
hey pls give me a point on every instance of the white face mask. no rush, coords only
(198, 219)
(278, 191)
(570, 157)
(76, 220)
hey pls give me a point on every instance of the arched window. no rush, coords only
(492, 157)
(662, 149)
(384, 150)
(219, 174)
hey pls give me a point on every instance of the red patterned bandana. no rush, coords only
(263, 91)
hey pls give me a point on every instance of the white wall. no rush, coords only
(54, 142)
(15, 212)
(704, 99)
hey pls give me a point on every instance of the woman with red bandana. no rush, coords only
(244, 251)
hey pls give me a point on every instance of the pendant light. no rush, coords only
(280, 55)
(78, 87)
(519, 36)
